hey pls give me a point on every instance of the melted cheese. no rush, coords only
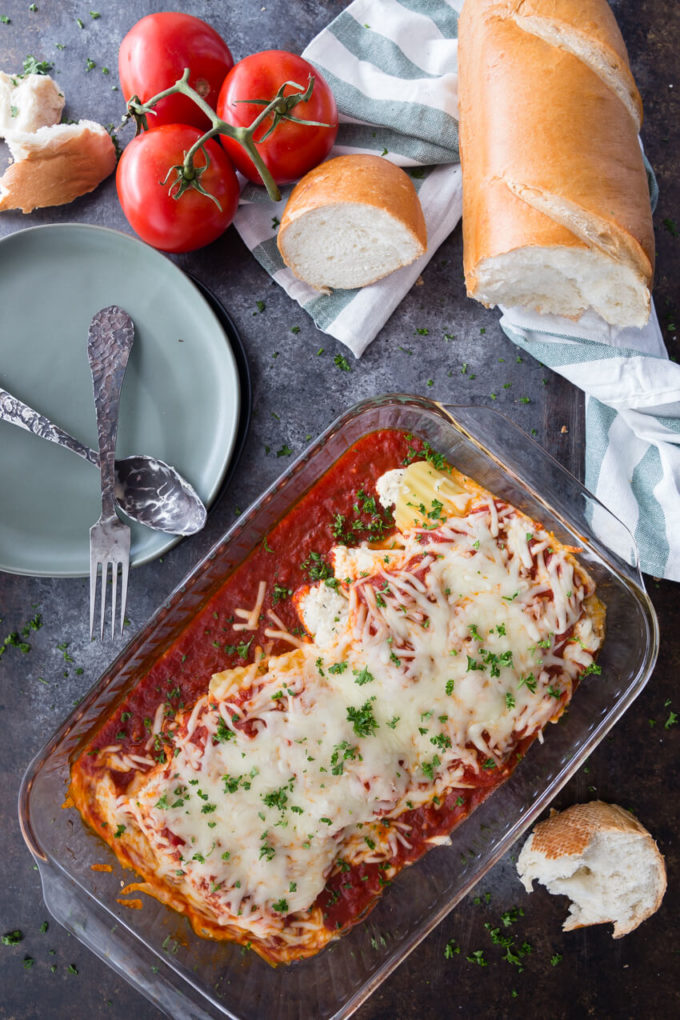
(428, 663)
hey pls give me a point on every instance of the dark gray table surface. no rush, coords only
(297, 392)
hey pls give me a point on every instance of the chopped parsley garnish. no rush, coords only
(242, 648)
(277, 798)
(222, 733)
(232, 783)
(281, 906)
(337, 667)
(266, 850)
(528, 681)
(424, 450)
(442, 741)
(316, 567)
(370, 521)
(363, 721)
(428, 767)
(341, 753)
(362, 676)
(477, 957)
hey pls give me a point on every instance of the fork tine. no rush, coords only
(93, 583)
(123, 591)
(94, 580)
(114, 586)
(105, 567)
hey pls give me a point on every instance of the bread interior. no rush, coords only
(564, 281)
(347, 245)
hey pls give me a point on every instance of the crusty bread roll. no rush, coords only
(351, 221)
(28, 102)
(603, 859)
(556, 211)
(56, 164)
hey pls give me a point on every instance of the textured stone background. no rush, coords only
(296, 393)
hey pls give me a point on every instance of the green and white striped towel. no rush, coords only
(632, 421)
(392, 65)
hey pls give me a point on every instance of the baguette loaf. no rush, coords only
(351, 221)
(603, 859)
(556, 211)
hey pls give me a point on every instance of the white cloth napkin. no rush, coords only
(632, 421)
(392, 65)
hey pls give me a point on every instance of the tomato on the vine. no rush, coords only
(291, 149)
(152, 192)
(154, 54)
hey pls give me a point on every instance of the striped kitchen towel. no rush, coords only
(393, 68)
(632, 421)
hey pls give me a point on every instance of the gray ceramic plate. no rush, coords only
(180, 398)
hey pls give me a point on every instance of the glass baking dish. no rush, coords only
(154, 948)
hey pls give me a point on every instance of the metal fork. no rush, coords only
(109, 341)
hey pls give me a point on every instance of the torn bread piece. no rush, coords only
(56, 164)
(28, 103)
(603, 859)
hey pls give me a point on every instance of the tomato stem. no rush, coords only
(278, 108)
(184, 178)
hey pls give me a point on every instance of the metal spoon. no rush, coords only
(147, 489)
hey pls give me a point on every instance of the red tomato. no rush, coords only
(175, 224)
(291, 149)
(154, 54)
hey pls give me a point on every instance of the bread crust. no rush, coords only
(589, 22)
(568, 832)
(356, 179)
(540, 130)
